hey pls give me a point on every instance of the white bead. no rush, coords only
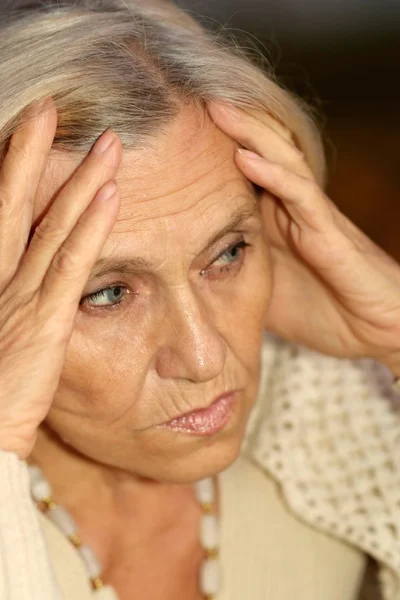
(63, 520)
(105, 593)
(34, 471)
(205, 492)
(40, 487)
(210, 577)
(92, 564)
(209, 532)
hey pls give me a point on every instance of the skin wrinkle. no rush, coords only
(170, 213)
(133, 265)
(180, 339)
(157, 264)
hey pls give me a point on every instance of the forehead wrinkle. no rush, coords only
(147, 181)
(147, 187)
(165, 201)
(133, 264)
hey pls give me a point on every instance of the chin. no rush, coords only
(207, 464)
(210, 462)
(188, 458)
(177, 457)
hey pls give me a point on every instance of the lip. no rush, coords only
(205, 421)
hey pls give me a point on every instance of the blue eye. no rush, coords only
(232, 254)
(107, 297)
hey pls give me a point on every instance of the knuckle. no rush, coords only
(48, 231)
(279, 174)
(66, 263)
(310, 196)
(284, 186)
(276, 124)
(315, 191)
(18, 151)
(4, 206)
(287, 134)
(298, 154)
(17, 309)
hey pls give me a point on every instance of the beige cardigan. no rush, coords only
(316, 490)
(266, 552)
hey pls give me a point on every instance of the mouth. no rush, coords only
(205, 421)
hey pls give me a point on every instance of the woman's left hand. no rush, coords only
(334, 290)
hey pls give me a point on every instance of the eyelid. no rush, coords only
(103, 288)
(244, 245)
(228, 246)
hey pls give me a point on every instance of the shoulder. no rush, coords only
(268, 548)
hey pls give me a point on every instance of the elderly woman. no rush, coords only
(160, 210)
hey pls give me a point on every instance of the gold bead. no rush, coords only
(97, 583)
(207, 508)
(76, 540)
(49, 503)
(212, 553)
(210, 597)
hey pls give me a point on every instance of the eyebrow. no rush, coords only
(137, 264)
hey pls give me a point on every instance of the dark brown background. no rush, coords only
(343, 56)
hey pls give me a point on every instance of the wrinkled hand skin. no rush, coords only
(43, 272)
(335, 290)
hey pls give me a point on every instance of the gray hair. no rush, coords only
(129, 65)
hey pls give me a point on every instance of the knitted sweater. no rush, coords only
(325, 429)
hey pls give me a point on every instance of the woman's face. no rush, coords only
(186, 279)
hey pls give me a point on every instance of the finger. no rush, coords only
(258, 135)
(70, 268)
(99, 167)
(304, 200)
(20, 174)
(273, 123)
(268, 120)
(322, 234)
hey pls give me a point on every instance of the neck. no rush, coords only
(78, 477)
(119, 498)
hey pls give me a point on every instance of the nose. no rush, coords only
(191, 347)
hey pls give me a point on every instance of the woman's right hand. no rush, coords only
(41, 282)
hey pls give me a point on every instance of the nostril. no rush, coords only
(194, 359)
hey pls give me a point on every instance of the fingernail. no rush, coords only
(104, 142)
(107, 191)
(248, 154)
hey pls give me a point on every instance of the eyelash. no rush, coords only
(95, 295)
(236, 264)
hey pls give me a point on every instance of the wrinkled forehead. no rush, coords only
(182, 171)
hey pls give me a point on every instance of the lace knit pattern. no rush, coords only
(329, 431)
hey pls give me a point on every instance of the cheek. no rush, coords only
(109, 359)
(243, 307)
(104, 371)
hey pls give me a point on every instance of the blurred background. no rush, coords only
(343, 57)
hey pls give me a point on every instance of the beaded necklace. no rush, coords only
(210, 571)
